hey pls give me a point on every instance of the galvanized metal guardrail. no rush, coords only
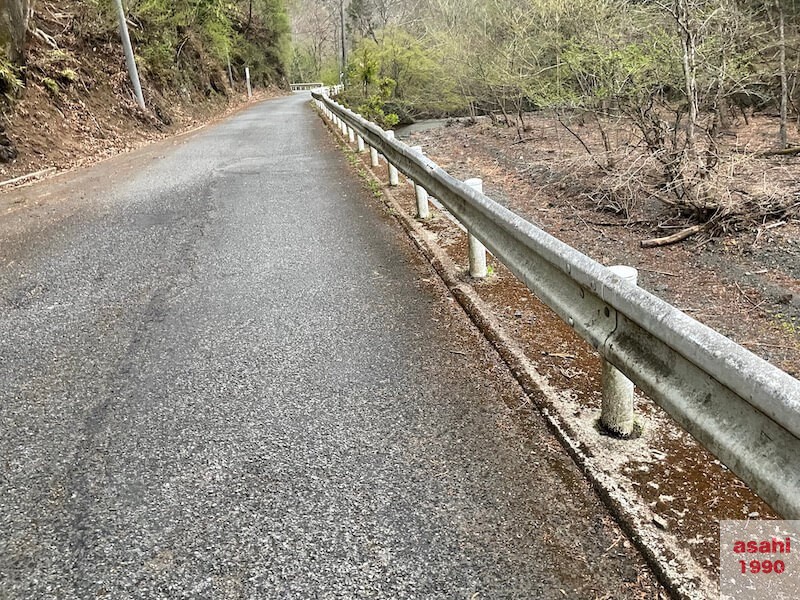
(740, 407)
(305, 86)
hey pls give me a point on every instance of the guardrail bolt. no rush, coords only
(394, 176)
(477, 251)
(360, 142)
(616, 414)
(423, 208)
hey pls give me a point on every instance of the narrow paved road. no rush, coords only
(224, 373)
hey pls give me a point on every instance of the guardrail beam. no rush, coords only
(743, 409)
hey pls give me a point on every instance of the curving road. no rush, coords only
(225, 373)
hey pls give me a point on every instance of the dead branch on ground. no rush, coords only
(674, 238)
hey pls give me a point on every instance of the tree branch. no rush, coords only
(674, 238)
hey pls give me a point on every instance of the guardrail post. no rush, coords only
(616, 414)
(423, 209)
(477, 251)
(394, 177)
(360, 142)
(351, 135)
(249, 87)
(373, 157)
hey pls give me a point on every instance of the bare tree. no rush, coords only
(782, 67)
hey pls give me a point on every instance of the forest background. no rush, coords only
(654, 91)
(676, 77)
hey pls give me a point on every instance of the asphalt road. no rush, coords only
(225, 373)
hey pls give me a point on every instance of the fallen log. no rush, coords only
(784, 152)
(672, 239)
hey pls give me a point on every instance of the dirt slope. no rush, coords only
(745, 284)
(77, 106)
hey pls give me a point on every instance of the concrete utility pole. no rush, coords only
(129, 58)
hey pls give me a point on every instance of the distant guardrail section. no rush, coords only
(303, 86)
(740, 407)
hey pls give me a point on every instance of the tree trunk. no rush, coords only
(344, 47)
(14, 16)
(683, 16)
(784, 79)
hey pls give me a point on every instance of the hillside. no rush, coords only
(69, 100)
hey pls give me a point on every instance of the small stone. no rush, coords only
(660, 522)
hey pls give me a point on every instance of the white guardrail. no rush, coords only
(304, 87)
(741, 408)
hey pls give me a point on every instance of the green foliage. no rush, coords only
(617, 69)
(68, 76)
(51, 85)
(394, 77)
(329, 74)
(55, 70)
(10, 80)
(189, 42)
(157, 58)
(506, 57)
(373, 106)
(59, 65)
(363, 68)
